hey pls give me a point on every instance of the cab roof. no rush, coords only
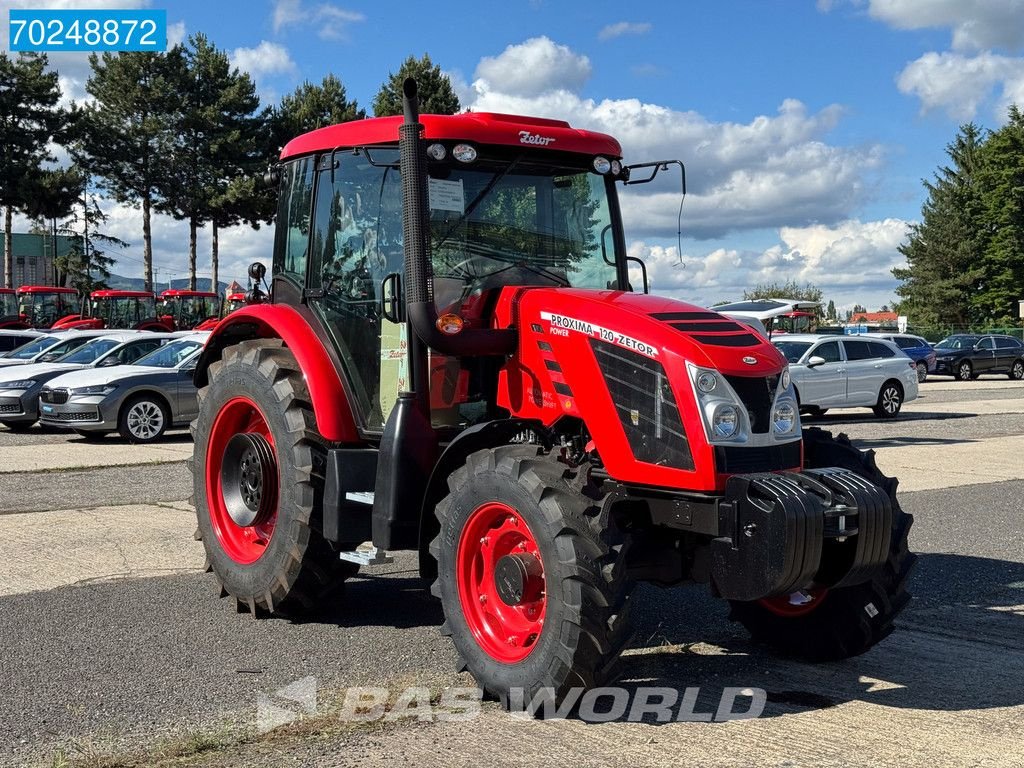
(476, 127)
(173, 293)
(113, 294)
(45, 289)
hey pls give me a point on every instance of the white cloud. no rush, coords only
(850, 261)
(961, 84)
(265, 60)
(623, 28)
(532, 68)
(976, 24)
(330, 21)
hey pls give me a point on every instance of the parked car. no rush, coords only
(11, 340)
(139, 401)
(966, 356)
(916, 348)
(20, 386)
(848, 372)
(48, 347)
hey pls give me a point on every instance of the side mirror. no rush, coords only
(49, 357)
(109, 362)
(257, 271)
(814, 361)
(643, 270)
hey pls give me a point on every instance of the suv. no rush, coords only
(916, 348)
(848, 372)
(966, 356)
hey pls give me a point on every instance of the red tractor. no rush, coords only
(40, 306)
(182, 310)
(128, 310)
(233, 302)
(453, 361)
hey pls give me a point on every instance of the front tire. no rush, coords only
(531, 576)
(964, 370)
(829, 624)
(143, 419)
(258, 481)
(890, 400)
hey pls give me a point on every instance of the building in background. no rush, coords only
(32, 256)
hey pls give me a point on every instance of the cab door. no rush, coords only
(984, 356)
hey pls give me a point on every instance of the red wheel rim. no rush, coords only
(795, 604)
(507, 633)
(243, 544)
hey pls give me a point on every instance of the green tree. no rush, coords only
(830, 312)
(1001, 183)
(215, 129)
(313, 106)
(788, 290)
(50, 196)
(434, 89)
(127, 136)
(29, 120)
(944, 250)
(87, 263)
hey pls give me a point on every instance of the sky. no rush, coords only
(806, 128)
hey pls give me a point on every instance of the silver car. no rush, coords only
(20, 385)
(47, 347)
(848, 372)
(139, 401)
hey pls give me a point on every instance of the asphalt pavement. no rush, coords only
(115, 642)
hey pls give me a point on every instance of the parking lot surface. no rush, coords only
(115, 642)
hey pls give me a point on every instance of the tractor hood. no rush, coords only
(628, 366)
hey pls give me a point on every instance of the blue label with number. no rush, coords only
(96, 30)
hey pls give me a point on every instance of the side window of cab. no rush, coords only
(291, 240)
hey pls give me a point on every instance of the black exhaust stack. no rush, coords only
(419, 290)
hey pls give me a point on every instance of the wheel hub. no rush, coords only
(249, 479)
(518, 579)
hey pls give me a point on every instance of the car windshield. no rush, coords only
(33, 348)
(958, 342)
(88, 352)
(793, 350)
(171, 355)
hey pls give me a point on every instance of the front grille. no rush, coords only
(10, 408)
(645, 406)
(72, 416)
(709, 328)
(757, 393)
(55, 396)
(737, 459)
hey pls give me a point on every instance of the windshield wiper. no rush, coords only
(475, 202)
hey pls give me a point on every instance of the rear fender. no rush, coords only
(279, 321)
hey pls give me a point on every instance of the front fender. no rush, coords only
(280, 321)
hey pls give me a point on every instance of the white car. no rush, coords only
(848, 372)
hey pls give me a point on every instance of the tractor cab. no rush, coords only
(233, 302)
(41, 306)
(8, 305)
(114, 309)
(183, 310)
(453, 361)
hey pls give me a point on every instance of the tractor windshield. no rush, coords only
(8, 304)
(45, 309)
(190, 311)
(124, 311)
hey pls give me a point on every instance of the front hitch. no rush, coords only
(781, 532)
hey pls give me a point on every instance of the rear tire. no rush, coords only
(922, 373)
(838, 623)
(965, 371)
(890, 400)
(280, 563)
(571, 623)
(1017, 370)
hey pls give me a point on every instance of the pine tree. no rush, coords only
(127, 137)
(87, 263)
(830, 312)
(313, 106)
(29, 120)
(51, 195)
(944, 250)
(434, 89)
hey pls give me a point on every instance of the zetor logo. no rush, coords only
(525, 137)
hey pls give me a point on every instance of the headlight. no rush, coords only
(99, 389)
(706, 381)
(23, 384)
(783, 418)
(725, 421)
(785, 378)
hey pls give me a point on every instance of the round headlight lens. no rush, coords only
(616, 167)
(725, 422)
(464, 153)
(785, 378)
(602, 165)
(706, 382)
(784, 418)
(437, 151)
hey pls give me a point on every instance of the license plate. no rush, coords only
(47, 409)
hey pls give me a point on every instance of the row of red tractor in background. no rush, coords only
(48, 307)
